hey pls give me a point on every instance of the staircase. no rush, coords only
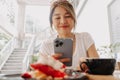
(14, 63)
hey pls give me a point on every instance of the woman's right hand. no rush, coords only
(58, 57)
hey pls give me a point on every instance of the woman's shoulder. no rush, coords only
(82, 34)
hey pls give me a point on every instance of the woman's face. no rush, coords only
(62, 21)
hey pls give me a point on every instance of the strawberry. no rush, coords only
(48, 70)
(58, 74)
(26, 75)
(64, 66)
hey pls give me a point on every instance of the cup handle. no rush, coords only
(81, 65)
(86, 71)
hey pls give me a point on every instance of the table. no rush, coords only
(102, 77)
(115, 76)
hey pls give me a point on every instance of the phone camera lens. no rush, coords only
(57, 45)
(56, 41)
(61, 43)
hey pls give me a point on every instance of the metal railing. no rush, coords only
(6, 51)
(26, 60)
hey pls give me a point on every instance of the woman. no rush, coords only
(63, 20)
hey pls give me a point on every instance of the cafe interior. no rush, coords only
(24, 25)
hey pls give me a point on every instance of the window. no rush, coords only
(7, 11)
(36, 19)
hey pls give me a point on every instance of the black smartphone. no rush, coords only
(65, 47)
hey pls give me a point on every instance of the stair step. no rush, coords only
(17, 54)
(14, 61)
(15, 58)
(11, 71)
(12, 68)
(19, 50)
(13, 64)
(12, 55)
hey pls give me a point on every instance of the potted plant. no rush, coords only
(109, 51)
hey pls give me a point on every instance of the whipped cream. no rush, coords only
(49, 60)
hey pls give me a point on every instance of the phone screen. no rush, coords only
(65, 47)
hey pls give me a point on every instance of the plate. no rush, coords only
(73, 76)
(77, 76)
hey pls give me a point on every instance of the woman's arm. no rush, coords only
(92, 52)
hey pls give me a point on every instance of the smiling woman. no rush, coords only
(63, 20)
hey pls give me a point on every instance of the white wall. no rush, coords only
(94, 19)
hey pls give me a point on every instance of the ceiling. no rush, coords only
(75, 3)
(36, 2)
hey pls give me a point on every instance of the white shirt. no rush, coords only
(83, 42)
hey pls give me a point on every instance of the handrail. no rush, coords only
(6, 51)
(26, 60)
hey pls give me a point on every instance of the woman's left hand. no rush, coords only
(84, 66)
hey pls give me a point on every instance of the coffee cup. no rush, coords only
(104, 66)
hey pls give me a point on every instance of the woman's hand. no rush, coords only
(83, 65)
(58, 57)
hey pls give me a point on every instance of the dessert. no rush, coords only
(46, 66)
